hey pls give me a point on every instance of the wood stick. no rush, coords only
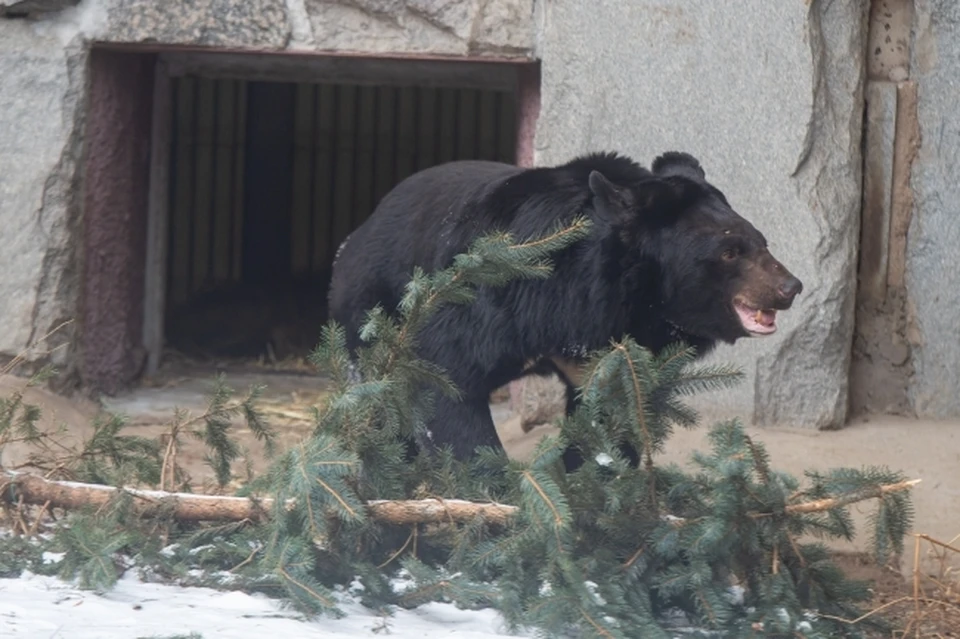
(33, 489)
(437, 511)
(73, 495)
(937, 542)
(830, 503)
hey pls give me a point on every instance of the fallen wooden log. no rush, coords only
(33, 489)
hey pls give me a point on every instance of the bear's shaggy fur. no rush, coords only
(667, 259)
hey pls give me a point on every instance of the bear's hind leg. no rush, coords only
(572, 456)
(463, 426)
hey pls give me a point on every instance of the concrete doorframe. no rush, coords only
(116, 353)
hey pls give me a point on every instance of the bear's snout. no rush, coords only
(790, 288)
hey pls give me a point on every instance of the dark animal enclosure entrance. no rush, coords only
(268, 178)
(259, 166)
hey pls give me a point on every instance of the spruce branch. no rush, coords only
(602, 551)
(831, 503)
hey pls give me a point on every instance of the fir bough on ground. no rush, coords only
(610, 550)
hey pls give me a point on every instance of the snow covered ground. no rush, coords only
(39, 607)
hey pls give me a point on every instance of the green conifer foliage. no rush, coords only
(726, 547)
(608, 550)
(612, 550)
(357, 452)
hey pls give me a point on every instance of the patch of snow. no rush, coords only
(736, 594)
(593, 589)
(38, 606)
(169, 551)
(783, 615)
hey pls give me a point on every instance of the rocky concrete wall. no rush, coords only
(41, 113)
(453, 27)
(881, 371)
(932, 268)
(44, 49)
(769, 95)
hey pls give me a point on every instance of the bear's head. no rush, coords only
(713, 274)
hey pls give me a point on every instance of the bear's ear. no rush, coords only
(662, 199)
(678, 163)
(612, 201)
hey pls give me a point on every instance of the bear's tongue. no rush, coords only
(762, 322)
(767, 318)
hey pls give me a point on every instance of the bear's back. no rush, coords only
(437, 213)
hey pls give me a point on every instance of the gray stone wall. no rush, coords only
(769, 96)
(456, 27)
(43, 76)
(41, 94)
(451, 27)
(933, 256)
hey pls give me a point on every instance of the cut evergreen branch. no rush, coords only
(613, 549)
(113, 457)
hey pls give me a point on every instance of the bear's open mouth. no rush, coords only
(756, 321)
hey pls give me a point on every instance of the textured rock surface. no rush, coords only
(19, 8)
(505, 26)
(225, 23)
(459, 27)
(933, 272)
(41, 87)
(881, 368)
(769, 96)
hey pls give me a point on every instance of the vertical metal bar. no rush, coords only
(394, 160)
(323, 156)
(192, 219)
(289, 215)
(312, 168)
(231, 182)
(365, 161)
(211, 237)
(357, 157)
(375, 130)
(332, 243)
(477, 120)
(202, 195)
(417, 97)
(457, 100)
(498, 122)
(173, 185)
(239, 191)
(438, 125)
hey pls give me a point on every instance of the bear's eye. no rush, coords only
(729, 254)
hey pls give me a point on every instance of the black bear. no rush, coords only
(667, 259)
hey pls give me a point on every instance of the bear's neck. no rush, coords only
(656, 333)
(677, 333)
